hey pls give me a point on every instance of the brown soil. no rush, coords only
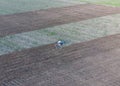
(93, 63)
(23, 22)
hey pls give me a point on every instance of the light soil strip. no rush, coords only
(23, 22)
(93, 63)
(14, 6)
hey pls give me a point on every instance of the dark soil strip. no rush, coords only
(47, 66)
(29, 21)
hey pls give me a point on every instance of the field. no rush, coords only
(103, 2)
(92, 63)
(30, 28)
(42, 32)
(14, 6)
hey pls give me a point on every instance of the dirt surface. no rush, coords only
(93, 63)
(23, 22)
